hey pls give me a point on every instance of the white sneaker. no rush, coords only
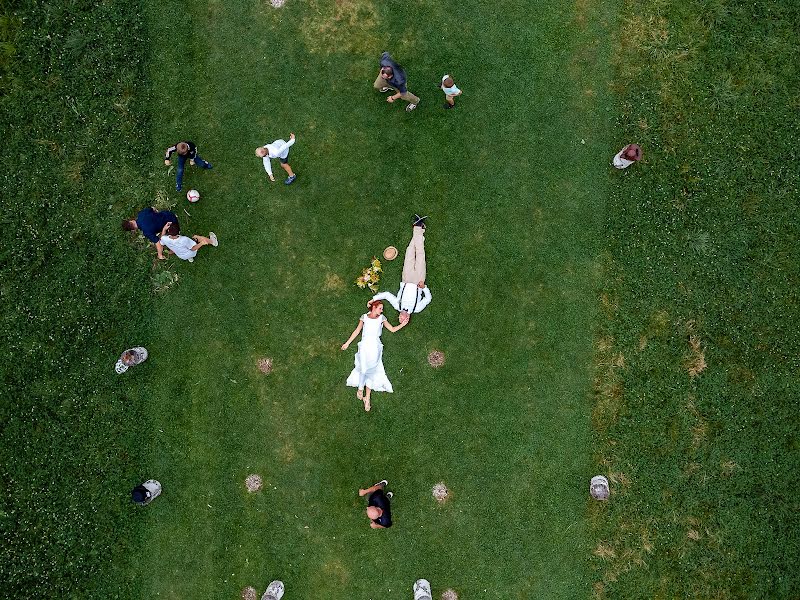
(213, 237)
(274, 591)
(410, 107)
(422, 589)
(385, 89)
(190, 259)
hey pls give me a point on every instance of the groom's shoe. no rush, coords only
(418, 221)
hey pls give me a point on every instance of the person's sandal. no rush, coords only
(213, 237)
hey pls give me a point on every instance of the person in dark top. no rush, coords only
(378, 510)
(150, 222)
(185, 150)
(392, 77)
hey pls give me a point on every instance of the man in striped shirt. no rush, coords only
(185, 150)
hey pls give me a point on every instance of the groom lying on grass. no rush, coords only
(413, 295)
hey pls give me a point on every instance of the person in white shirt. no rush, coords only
(278, 149)
(450, 90)
(413, 295)
(185, 247)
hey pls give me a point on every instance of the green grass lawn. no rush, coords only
(640, 324)
(513, 181)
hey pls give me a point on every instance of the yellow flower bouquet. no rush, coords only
(371, 276)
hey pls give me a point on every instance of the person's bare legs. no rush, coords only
(360, 394)
(201, 239)
(367, 405)
(288, 169)
(378, 486)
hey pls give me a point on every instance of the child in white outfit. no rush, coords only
(450, 91)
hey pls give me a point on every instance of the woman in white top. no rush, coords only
(278, 149)
(369, 372)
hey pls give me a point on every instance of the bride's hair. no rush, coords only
(373, 304)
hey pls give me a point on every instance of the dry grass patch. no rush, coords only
(604, 551)
(607, 384)
(333, 283)
(598, 590)
(619, 478)
(728, 467)
(449, 595)
(695, 363)
(265, 365)
(347, 26)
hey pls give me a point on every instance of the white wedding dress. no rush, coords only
(369, 371)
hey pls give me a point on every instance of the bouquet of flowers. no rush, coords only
(370, 276)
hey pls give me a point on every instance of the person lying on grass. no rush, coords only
(150, 222)
(369, 372)
(184, 247)
(413, 295)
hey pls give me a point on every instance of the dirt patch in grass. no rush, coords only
(249, 593)
(440, 493)
(265, 365)
(253, 483)
(449, 595)
(436, 359)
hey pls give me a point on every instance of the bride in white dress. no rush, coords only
(369, 372)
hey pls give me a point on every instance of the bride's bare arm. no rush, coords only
(353, 335)
(394, 328)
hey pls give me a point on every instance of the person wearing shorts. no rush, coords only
(278, 149)
(450, 90)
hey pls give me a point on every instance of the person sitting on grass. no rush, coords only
(627, 156)
(278, 149)
(378, 509)
(184, 247)
(130, 358)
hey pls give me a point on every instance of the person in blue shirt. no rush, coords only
(150, 222)
(392, 77)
